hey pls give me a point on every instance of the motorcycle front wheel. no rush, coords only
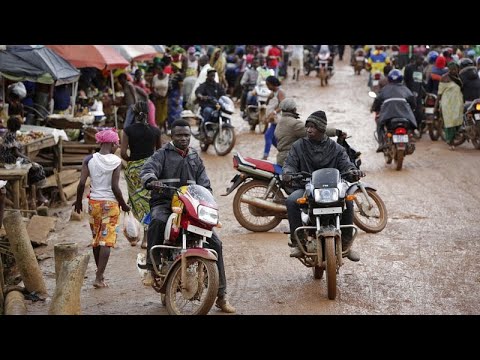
(249, 216)
(331, 267)
(369, 219)
(224, 141)
(199, 292)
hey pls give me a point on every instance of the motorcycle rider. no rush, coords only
(207, 94)
(471, 81)
(313, 152)
(413, 75)
(248, 82)
(395, 100)
(184, 167)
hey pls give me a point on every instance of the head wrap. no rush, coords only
(440, 62)
(107, 136)
(319, 120)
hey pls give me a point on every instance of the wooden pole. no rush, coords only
(66, 300)
(22, 249)
(113, 93)
(60, 187)
(15, 304)
(63, 252)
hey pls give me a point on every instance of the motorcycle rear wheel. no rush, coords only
(224, 142)
(399, 159)
(331, 267)
(371, 220)
(204, 146)
(476, 143)
(459, 139)
(244, 212)
(201, 299)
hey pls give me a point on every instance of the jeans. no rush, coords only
(295, 219)
(207, 113)
(156, 230)
(270, 139)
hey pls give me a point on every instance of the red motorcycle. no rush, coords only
(187, 276)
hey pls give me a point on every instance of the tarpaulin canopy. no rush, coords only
(60, 70)
(136, 52)
(98, 56)
(15, 68)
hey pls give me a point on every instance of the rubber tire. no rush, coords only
(238, 214)
(163, 300)
(204, 146)
(476, 143)
(318, 272)
(212, 290)
(230, 147)
(399, 160)
(433, 132)
(331, 268)
(383, 213)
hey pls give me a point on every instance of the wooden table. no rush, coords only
(32, 148)
(17, 178)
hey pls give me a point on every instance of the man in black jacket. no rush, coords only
(413, 74)
(395, 100)
(471, 81)
(207, 94)
(318, 151)
(177, 164)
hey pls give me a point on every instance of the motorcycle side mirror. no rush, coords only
(372, 94)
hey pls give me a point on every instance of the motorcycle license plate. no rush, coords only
(375, 82)
(477, 116)
(429, 110)
(199, 231)
(323, 211)
(360, 58)
(400, 139)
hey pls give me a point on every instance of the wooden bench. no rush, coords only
(17, 179)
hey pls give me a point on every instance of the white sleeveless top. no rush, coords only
(101, 169)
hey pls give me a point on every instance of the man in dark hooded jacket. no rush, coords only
(318, 151)
(470, 80)
(177, 164)
(395, 100)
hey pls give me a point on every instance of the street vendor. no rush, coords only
(10, 151)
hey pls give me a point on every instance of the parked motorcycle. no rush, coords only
(187, 275)
(431, 121)
(259, 203)
(257, 114)
(322, 205)
(219, 130)
(470, 130)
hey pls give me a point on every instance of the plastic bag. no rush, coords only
(131, 228)
(19, 89)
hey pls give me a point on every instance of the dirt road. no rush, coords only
(424, 262)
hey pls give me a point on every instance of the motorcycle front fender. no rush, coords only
(203, 253)
(351, 190)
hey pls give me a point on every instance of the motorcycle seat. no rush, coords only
(265, 165)
(397, 122)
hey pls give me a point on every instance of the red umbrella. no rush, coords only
(99, 56)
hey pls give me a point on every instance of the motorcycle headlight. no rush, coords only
(327, 195)
(208, 215)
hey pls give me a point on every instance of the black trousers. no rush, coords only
(156, 231)
(295, 219)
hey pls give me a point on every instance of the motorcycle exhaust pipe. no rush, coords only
(263, 204)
